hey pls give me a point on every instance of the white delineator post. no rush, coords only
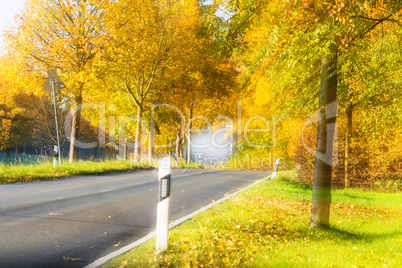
(275, 168)
(162, 224)
(56, 155)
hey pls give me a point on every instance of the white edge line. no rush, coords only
(152, 234)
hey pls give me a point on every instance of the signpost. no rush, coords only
(162, 224)
(50, 86)
(56, 148)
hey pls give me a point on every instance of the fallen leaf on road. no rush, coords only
(110, 217)
(118, 244)
(55, 214)
(70, 259)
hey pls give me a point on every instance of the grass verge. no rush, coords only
(267, 226)
(46, 171)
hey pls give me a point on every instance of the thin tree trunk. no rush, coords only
(8, 156)
(151, 143)
(125, 149)
(178, 143)
(137, 147)
(17, 157)
(190, 125)
(96, 153)
(321, 200)
(349, 117)
(75, 128)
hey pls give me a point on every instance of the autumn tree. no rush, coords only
(65, 36)
(42, 117)
(162, 36)
(15, 126)
(292, 40)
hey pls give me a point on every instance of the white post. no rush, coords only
(56, 153)
(275, 168)
(162, 224)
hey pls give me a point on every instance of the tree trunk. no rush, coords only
(190, 125)
(8, 156)
(178, 143)
(151, 142)
(17, 157)
(349, 117)
(321, 200)
(75, 128)
(95, 156)
(137, 146)
(125, 150)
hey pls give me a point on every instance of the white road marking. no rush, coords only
(108, 190)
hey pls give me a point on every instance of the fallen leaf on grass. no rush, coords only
(124, 264)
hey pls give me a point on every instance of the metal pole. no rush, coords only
(55, 116)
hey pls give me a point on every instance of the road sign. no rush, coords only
(53, 77)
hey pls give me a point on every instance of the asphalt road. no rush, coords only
(72, 222)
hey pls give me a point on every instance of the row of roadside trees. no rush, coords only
(123, 55)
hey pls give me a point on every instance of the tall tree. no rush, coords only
(293, 39)
(64, 35)
(162, 36)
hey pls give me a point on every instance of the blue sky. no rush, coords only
(8, 9)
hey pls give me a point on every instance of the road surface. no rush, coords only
(74, 221)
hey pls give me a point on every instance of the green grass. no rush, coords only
(182, 163)
(267, 226)
(24, 158)
(43, 170)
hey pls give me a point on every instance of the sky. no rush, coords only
(8, 9)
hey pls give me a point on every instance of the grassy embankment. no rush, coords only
(45, 171)
(42, 169)
(267, 226)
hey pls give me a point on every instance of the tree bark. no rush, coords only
(349, 120)
(190, 125)
(137, 146)
(321, 200)
(75, 128)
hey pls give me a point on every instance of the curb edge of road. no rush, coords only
(177, 222)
